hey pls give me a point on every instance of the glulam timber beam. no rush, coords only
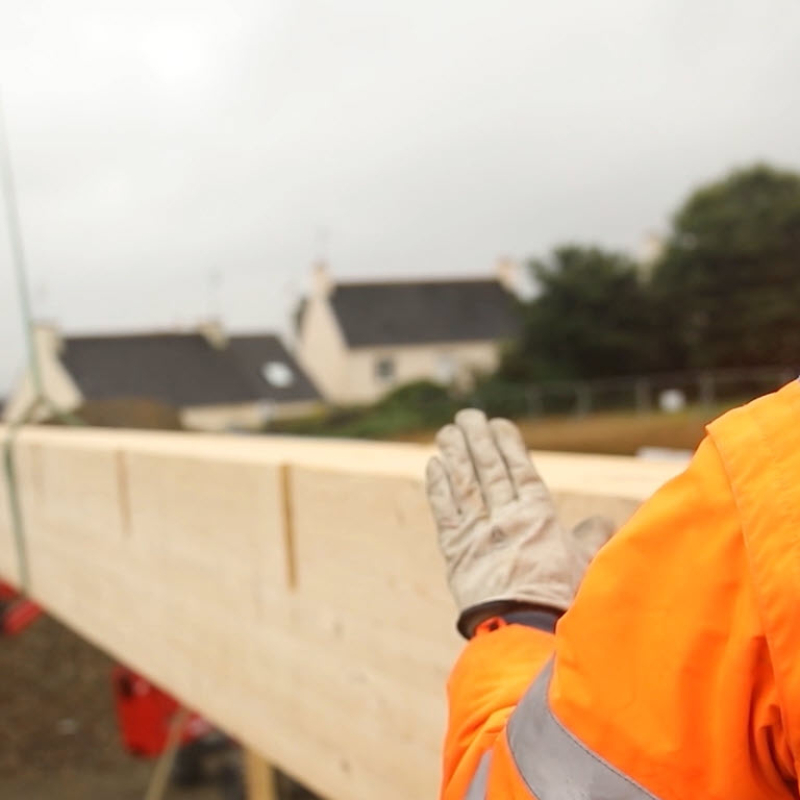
(289, 589)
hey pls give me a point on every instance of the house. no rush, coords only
(359, 340)
(216, 382)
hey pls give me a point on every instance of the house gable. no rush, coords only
(57, 384)
(321, 348)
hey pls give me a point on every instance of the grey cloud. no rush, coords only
(155, 143)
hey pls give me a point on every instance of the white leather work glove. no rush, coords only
(498, 531)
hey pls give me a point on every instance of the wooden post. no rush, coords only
(259, 777)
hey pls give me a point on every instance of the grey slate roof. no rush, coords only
(424, 312)
(178, 369)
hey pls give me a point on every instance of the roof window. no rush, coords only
(278, 374)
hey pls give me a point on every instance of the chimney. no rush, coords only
(321, 281)
(47, 341)
(214, 333)
(506, 272)
(650, 250)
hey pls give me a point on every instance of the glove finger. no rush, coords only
(524, 476)
(495, 482)
(586, 539)
(440, 497)
(461, 471)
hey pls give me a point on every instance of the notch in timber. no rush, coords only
(287, 512)
(123, 492)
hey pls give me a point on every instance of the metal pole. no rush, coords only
(705, 384)
(583, 399)
(642, 393)
(534, 400)
(18, 263)
(159, 779)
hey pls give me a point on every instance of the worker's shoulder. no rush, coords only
(759, 447)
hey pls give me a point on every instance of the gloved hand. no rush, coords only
(498, 531)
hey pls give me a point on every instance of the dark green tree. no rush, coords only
(728, 285)
(592, 317)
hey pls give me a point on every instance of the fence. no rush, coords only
(642, 394)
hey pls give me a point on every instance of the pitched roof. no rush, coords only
(177, 369)
(424, 312)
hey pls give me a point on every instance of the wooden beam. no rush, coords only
(324, 646)
(259, 777)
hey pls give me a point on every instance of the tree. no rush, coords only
(592, 318)
(728, 286)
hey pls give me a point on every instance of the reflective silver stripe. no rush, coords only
(554, 764)
(477, 787)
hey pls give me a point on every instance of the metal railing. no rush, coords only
(645, 393)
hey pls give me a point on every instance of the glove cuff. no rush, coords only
(514, 612)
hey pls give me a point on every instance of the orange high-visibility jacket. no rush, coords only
(676, 673)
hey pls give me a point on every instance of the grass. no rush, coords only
(614, 433)
(413, 413)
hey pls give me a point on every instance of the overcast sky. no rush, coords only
(156, 143)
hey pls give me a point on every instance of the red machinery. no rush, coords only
(16, 612)
(145, 715)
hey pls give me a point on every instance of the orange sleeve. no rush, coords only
(663, 666)
(489, 678)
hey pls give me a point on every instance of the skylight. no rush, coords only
(277, 374)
